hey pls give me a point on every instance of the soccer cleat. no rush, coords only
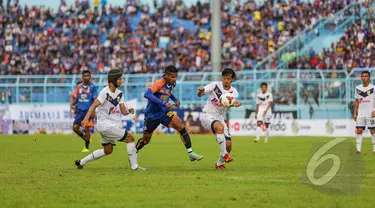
(85, 150)
(140, 168)
(194, 156)
(256, 140)
(78, 164)
(221, 167)
(227, 158)
(358, 153)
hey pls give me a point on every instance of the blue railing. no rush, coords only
(293, 89)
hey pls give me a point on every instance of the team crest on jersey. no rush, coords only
(217, 91)
(115, 100)
(365, 94)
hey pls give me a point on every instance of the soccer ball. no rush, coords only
(227, 99)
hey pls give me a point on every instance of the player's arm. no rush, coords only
(89, 112)
(269, 104)
(206, 89)
(236, 103)
(356, 104)
(125, 111)
(156, 87)
(175, 100)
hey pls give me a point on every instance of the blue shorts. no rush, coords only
(79, 115)
(152, 124)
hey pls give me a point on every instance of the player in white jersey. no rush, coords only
(212, 117)
(110, 104)
(263, 111)
(364, 110)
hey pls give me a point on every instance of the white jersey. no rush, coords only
(263, 100)
(365, 96)
(109, 113)
(213, 107)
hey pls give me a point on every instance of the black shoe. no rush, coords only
(78, 164)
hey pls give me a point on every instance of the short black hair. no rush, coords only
(229, 71)
(170, 69)
(86, 72)
(366, 72)
(263, 84)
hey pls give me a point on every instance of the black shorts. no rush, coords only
(151, 124)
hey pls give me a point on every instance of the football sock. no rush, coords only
(132, 153)
(87, 144)
(267, 133)
(373, 142)
(221, 141)
(257, 132)
(80, 134)
(185, 137)
(358, 139)
(140, 144)
(220, 161)
(93, 156)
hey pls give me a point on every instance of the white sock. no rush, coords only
(223, 145)
(373, 142)
(220, 161)
(267, 133)
(93, 156)
(132, 153)
(257, 132)
(358, 139)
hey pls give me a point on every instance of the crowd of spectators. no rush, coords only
(95, 36)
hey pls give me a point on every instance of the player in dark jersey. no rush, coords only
(158, 111)
(85, 94)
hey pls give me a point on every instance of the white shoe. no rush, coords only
(140, 168)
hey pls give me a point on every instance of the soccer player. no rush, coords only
(110, 104)
(85, 94)
(364, 110)
(263, 111)
(213, 113)
(158, 111)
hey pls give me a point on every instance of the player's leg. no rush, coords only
(258, 129)
(267, 134)
(79, 116)
(218, 129)
(371, 127)
(175, 122)
(360, 126)
(128, 138)
(107, 149)
(148, 130)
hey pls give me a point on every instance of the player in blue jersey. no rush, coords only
(85, 94)
(158, 111)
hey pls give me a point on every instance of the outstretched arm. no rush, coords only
(91, 110)
(152, 98)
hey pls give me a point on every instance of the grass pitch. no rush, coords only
(38, 171)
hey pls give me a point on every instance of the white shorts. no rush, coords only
(264, 119)
(110, 136)
(208, 121)
(363, 122)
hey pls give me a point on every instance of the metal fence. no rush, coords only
(329, 92)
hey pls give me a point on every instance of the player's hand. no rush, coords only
(236, 103)
(355, 117)
(131, 110)
(169, 105)
(84, 123)
(177, 103)
(73, 107)
(373, 114)
(201, 90)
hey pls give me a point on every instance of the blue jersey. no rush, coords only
(162, 91)
(85, 96)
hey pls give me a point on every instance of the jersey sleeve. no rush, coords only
(157, 85)
(209, 88)
(235, 93)
(95, 92)
(122, 100)
(356, 96)
(257, 100)
(270, 98)
(102, 96)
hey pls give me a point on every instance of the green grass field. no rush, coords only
(38, 171)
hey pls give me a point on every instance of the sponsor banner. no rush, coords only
(21, 127)
(334, 128)
(44, 127)
(6, 127)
